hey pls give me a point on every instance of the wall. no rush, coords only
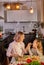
(14, 0)
(40, 10)
(23, 15)
(25, 27)
(16, 26)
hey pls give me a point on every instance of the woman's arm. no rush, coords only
(9, 54)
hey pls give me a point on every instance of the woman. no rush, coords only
(17, 47)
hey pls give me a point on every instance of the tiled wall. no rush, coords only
(13, 27)
(25, 27)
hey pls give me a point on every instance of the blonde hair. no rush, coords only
(18, 35)
(40, 48)
(39, 45)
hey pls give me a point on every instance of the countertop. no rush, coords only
(3, 37)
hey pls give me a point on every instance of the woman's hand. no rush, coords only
(14, 55)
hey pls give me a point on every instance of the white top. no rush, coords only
(35, 52)
(16, 48)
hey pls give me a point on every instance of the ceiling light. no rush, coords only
(12, 6)
(17, 6)
(8, 6)
(31, 10)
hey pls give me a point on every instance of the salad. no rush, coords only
(34, 63)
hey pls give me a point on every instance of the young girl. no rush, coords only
(36, 48)
(17, 47)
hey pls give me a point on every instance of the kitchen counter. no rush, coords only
(26, 59)
(3, 37)
(5, 40)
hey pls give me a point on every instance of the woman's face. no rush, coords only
(21, 38)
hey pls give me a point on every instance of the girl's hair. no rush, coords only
(17, 35)
(39, 45)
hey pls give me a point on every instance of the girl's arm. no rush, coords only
(28, 49)
(39, 53)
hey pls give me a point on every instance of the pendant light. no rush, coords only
(13, 6)
(31, 9)
(17, 5)
(7, 6)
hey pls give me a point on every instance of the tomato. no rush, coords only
(28, 60)
(42, 63)
(18, 64)
(22, 64)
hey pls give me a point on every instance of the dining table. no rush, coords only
(27, 59)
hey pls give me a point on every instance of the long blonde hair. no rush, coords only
(40, 47)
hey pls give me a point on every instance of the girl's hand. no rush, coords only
(28, 46)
